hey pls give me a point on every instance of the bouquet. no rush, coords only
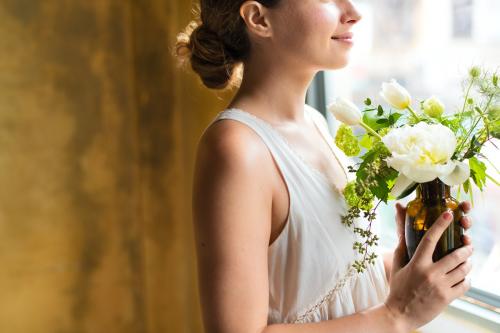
(404, 149)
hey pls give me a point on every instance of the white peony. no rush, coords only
(422, 153)
(345, 111)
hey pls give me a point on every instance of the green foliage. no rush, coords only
(378, 119)
(358, 196)
(367, 141)
(477, 172)
(346, 141)
(375, 172)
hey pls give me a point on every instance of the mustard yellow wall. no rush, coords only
(98, 130)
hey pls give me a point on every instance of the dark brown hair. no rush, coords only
(216, 42)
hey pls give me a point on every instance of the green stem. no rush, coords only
(370, 130)
(466, 98)
(491, 163)
(413, 113)
(474, 125)
(493, 180)
(471, 196)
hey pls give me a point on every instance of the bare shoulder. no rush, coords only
(231, 142)
(232, 204)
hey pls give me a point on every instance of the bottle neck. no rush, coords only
(433, 191)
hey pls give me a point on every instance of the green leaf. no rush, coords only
(409, 190)
(477, 172)
(366, 141)
(370, 118)
(380, 110)
(393, 118)
(467, 186)
(346, 141)
(368, 102)
(374, 168)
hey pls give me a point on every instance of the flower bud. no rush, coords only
(395, 94)
(433, 107)
(345, 111)
(475, 72)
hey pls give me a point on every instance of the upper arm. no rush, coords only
(232, 202)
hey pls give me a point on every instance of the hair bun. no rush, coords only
(208, 57)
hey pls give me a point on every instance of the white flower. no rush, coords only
(345, 111)
(433, 107)
(395, 94)
(422, 153)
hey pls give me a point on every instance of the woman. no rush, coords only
(273, 255)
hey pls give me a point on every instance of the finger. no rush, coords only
(400, 254)
(465, 206)
(400, 220)
(466, 240)
(461, 288)
(453, 259)
(466, 222)
(458, 274)
(428, 243)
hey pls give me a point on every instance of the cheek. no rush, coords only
(309, 26)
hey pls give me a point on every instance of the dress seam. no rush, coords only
(327, 297)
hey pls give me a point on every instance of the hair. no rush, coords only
(216, 42)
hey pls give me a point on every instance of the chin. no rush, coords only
(337, 64)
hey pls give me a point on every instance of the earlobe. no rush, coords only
(256, 18)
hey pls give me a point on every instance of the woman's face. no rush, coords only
(314, 33)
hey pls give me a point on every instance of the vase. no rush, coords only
(432, 199)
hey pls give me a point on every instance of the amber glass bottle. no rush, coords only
(433, 198)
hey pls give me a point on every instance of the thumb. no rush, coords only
(400, 254)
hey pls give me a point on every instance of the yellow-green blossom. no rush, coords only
(346, 141)
(433, 107)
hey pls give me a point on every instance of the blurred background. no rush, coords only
(98, 131)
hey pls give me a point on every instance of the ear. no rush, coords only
(256, 17)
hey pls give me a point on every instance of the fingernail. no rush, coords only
(447, 215)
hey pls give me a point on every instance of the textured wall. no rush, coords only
(98, 131)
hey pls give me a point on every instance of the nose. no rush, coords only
(351, 14)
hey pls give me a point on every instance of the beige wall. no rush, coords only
(97, 138)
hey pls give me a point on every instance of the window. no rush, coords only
(415, 42)
(462, 18)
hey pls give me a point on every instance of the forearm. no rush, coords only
(378, 319)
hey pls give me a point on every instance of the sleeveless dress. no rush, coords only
(310, 270)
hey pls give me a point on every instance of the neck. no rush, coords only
(274, 90)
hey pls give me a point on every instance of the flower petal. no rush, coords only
(458, 175)
(345, 111)
(401, 184)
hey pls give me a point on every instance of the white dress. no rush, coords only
(310, 270)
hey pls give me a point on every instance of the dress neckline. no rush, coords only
(311, 168)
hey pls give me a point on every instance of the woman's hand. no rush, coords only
(465, 221)
(420, 290)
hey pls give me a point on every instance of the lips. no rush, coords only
(345, 36)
